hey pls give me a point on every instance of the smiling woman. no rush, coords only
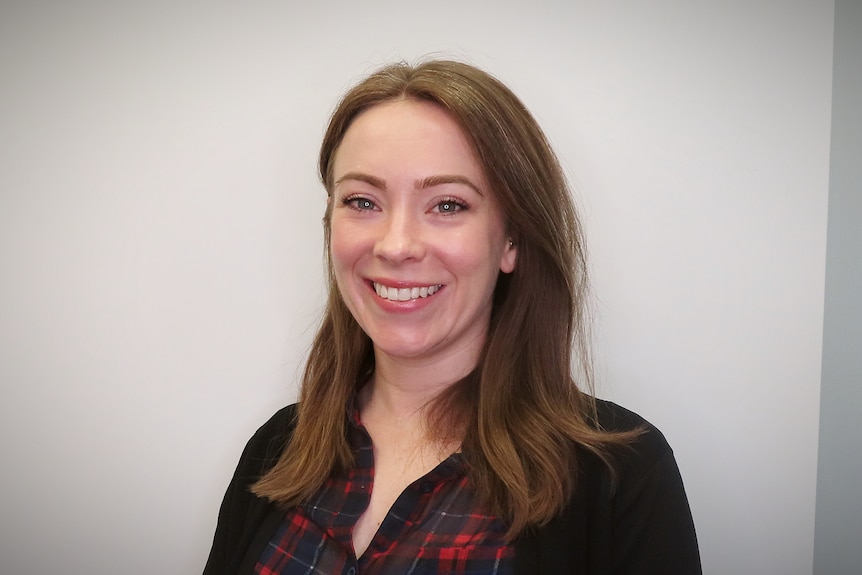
(439, 427)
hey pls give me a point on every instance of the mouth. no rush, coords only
(405, 294)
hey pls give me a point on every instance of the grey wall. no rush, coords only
(838, 525)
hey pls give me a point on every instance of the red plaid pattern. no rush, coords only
(435, 526)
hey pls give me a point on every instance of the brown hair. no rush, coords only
(525, 421)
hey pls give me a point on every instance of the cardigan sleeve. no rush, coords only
(653, 531)
(241, 512)
(650, 527)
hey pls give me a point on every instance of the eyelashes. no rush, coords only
(450, 206)
(359, 203)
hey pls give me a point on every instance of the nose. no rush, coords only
(400, 238)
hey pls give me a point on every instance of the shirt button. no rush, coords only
(427, 487)
(351, 571)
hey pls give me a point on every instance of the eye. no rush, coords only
(450, 206)
(359, 203)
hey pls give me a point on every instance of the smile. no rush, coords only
(405, 294)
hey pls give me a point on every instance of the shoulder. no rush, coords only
(647, 449)
(266, 445)
(650, 524)
(636, 471)
(613, 417)
(242, 513)
(280, 424)
(631, 517)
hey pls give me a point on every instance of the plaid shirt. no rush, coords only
(435, 526)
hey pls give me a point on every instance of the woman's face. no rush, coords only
(417, 237)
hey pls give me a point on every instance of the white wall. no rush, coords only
(160, 245)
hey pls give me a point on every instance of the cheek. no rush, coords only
(341, 253)
(476, 250)
(474, 262)
(340, 236)
(347, 250)
(342, 269)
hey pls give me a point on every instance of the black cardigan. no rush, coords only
(643, 526)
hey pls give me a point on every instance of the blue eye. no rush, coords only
(360, 203)
(450, 207)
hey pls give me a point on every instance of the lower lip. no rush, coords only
(403, 306)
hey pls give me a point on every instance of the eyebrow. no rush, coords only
(422, 184)
(359, 176)
(432, 181)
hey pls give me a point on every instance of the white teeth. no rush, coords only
(404, 294)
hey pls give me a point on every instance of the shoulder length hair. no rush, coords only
(524, 420)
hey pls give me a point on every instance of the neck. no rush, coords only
(400, 392)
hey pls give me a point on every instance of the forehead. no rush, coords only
(406, 136)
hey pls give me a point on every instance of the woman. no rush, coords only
(439, 427)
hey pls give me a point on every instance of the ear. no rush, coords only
(510, 256)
